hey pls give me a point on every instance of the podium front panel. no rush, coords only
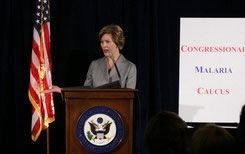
(79, 101)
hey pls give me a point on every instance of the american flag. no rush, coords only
(40, 72)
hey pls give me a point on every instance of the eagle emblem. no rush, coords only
(99, 130)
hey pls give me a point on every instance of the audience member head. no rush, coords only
(241, 130)
(212, 139)
(166, 133)
(241, 126)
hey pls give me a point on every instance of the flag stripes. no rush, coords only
(40, 72)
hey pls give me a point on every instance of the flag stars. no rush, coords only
(42, 13)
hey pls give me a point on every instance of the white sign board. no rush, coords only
(212, 69)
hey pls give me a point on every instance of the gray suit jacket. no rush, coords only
(98, 74)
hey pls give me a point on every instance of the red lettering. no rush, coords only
(212, 91)
(199, 90)
(182, 48)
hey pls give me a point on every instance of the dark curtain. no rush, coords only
(152, 43)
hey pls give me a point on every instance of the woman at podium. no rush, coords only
(113, 67)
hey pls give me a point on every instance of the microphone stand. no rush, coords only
(114, 62)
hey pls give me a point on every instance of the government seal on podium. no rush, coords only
(100, 129)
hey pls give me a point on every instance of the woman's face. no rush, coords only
(108, 44)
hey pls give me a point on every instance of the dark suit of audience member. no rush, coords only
(212, 139)
(166, 133)
(241, 131)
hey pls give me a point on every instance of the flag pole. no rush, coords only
(48, 133)
(42, 72)
(48, 146)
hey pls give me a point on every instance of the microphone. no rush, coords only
(114, 62)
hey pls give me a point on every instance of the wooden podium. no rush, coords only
(77, 101)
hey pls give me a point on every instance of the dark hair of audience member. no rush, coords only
(166, 133)
(241, 131)
(212, 139)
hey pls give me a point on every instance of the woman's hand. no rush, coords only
(53, 89)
